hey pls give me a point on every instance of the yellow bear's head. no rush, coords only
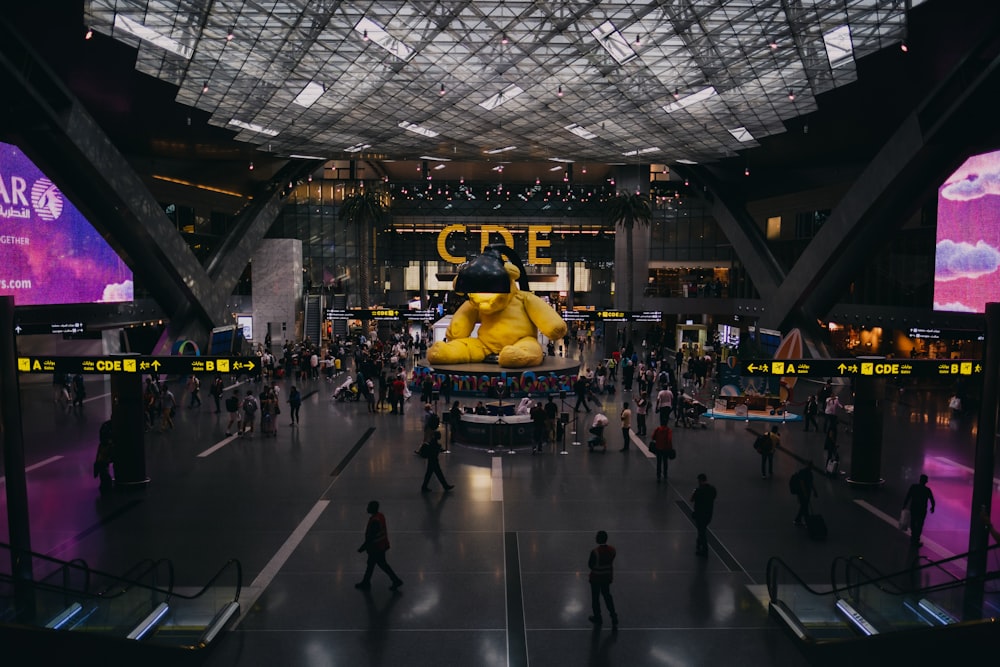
(489, 303)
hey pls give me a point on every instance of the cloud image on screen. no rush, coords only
(967, 259)
(49, 252)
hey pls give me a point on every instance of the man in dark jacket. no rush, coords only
(916, 499)
(703, 499)
(600, 562)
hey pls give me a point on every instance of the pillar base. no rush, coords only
(858, 482)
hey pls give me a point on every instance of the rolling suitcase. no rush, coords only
(816, 527)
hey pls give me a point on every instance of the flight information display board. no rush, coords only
(863, 367)
(173, 365)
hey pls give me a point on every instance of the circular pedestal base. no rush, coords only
(553, 375)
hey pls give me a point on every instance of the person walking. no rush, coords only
(662, 445)
(626, 419)
(294, 403)
(105, 457)
(766, 445)
(664, 404)
(703, 500)
(581, 388)
(430, 451)
(235, 414)
(805, 490)
(249, 407)
(376, 544)
(830, 412)
(641, 406)
(602, 558)
(916, 500)
(812, 409)
(194, 389)
(168, 405)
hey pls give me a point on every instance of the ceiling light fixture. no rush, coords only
(89, 34)
(251, 166)
(746, 171)
(204, 87)
(637, 41)
(230, 35)
(364, 36)
(503, 38)
(441, 91)
(677, 93)
(560, 93)
(903, 46)
(773, 45)
(791, 95)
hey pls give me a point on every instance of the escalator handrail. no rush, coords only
(149, 565)
(861, 563)
(774, 562)
(211, 581)
(119, 586)
(986, 576)
(64, 569)
(129, 578)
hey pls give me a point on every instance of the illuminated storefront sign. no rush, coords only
(863, 367)
(174, 365)
(534, 242)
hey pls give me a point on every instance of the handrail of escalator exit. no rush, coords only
(129, 579)
(986, 576)
(239, 581)
(875, 576)
(773, 563)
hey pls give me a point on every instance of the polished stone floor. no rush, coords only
(496, 571)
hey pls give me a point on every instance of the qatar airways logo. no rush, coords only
(46, 200)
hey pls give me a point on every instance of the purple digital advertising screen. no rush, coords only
(49, 253)
(967, 260)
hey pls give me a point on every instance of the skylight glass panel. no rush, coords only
(254, 127)
(839, 48)
(417, 129)
(505, 95)
(137, 29)
(312, 92)
(613, 42)
(688, 100)
(377, 34)
(741, 134)
(580, 131)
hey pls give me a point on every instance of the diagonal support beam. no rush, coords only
(929, 145)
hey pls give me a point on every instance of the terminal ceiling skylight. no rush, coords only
(588, 80)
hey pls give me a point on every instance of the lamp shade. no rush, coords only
(484, 274)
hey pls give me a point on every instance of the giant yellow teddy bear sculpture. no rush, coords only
(508, 327)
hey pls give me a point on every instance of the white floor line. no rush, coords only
(637, 441)
(35, 466)
(217, 446)
(894, 522)
(496, 477)
(279, 559)
(95, 398)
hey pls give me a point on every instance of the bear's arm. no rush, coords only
(544, 316)
(462, 322)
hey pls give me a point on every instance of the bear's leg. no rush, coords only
(525, 352)
(459, 351)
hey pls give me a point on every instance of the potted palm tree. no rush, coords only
(365, 210)
(627, 210)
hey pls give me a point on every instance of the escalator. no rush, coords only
(69, 613)
(312, 318)
(864, 617)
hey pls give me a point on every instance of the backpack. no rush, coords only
(433, 422)
(232, 404)
(793, 484)
(249, 405)
(762, 444)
